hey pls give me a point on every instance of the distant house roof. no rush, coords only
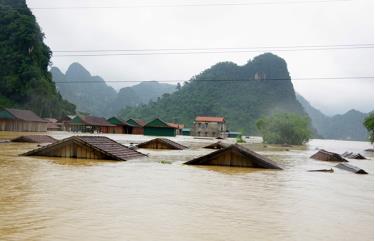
(136, 122)
(235, 156)
(111, 149)
(93, 121)
(209, 119)
(176, 126)
(158, 123)
(35, 139)
(25, 115)
(162, 143)
(51, 120)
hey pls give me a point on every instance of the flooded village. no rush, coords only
(137, 174)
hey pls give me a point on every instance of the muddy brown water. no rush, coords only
(159, 198)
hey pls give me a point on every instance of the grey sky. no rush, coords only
(323, 23)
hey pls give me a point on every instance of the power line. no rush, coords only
(210, 52)
(213, 80)
(219, 48)
(190, 5)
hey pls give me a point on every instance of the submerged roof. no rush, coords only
(159, 123)
(168, 143)
(110, 148)
(236, 156)
(35, 139)
(25, 115)
(323, 155)
(217, 145)
(209, 119)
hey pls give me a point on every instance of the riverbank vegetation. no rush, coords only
(285, 128)
(369, 124)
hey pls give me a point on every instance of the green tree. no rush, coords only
(285, 128)
(369, 124)
(24, 78)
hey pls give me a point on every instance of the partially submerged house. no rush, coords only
(352, 155)
(186, 131)
(209, 126)
(93, 124)
(137, 126)
(53, 125)
(351, 168)
(35, 139)
(87, 147)
(158, 127)
(235, 156)
(323, 155)
(162, 143)
(65, 122)
(21, 120)
(217, 145)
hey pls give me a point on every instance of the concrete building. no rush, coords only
(209, 126)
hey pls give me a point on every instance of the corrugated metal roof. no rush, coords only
(110, 148)
(25, 115)
(209, 119)
(35, 139)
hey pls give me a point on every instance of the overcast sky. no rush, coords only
(244, 26)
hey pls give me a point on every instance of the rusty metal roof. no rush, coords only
(209, 119)
(110, 148)
(173, 145)
(25, 115)
(222, 158)
(35, 139)
(176, 126)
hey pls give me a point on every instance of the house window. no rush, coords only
(206, 133)
(213, 133)
(206, 125)
(199, 133)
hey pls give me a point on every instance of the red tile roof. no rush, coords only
(25, 115)
(176, 126)
(209, 119)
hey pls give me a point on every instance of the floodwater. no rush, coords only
(147, 199)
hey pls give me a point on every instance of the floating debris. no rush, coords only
(35, 139)
(162, 143)
(323, 155)
(322, 170)
(87, 147)
(351, 168)
(235, 156)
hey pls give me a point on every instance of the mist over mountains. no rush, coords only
(91, 94)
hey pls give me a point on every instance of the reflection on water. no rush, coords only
(68, 199)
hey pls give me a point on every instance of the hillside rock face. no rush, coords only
(241, 94)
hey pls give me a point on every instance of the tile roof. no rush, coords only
(176, 126)
(25, 115)
(171, 144)
(95, 121)
(110, 148)
(209, 119)
(236, 156)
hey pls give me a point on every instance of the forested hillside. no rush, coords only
(24, 78)
(241, 94)
(348, 126)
